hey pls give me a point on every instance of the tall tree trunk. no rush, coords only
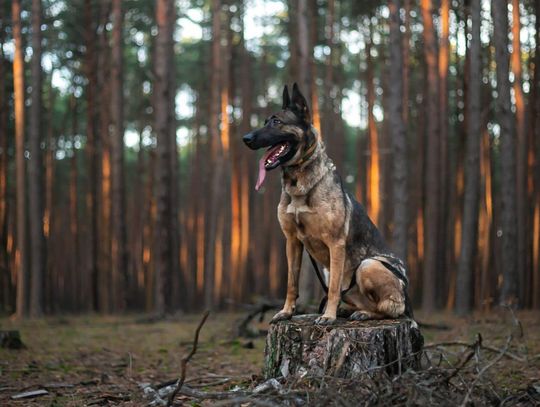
(19, 97)
(304, 50)
(120, 282)
(92, 149)
(536, 168)
(49, 197)
(397, 134)
(305, 81)
(163, 97)
(373, 181)
(216, 152)
(509, 289)
(464, 282)
(103, 165)
(175, 277)
(35, 171)
(5, 278)
(431, 223)
(245, 163)
(521, 157)
(444, 183)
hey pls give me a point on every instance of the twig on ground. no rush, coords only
(485, 368)
(472, 345)
(259, 310)
(186, 359)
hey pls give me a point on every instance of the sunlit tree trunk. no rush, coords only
(444, 184)
(223, 240)
(397, 134)
(19, 97)
(464, 282)
(509, 289)
(431, 226)
(245, 163)
(521, 151)
(216, 153)
(120, 281)
(373, 179)
(103, 162)
(484, 224)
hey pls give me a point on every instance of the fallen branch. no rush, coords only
(485, 368)
(258, 310)
(473, 345)
(186, 359)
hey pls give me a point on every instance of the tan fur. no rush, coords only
(315, 214)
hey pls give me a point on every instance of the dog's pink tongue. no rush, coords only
(262, 173)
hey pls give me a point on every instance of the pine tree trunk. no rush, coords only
(215, 166)
(373, 185)
(431, 218)
(397, 134)
(521, 156)
(90, 68)
(536, 169)
(35, 171)
(464, 279)
(163, 97)
(19, 97)
(347, 350)
(509, 290)
(5, 277)
(118, 250)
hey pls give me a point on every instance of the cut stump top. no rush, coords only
(346, 349)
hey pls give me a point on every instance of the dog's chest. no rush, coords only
(298, 207)
(302, 215)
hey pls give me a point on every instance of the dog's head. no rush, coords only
(287, 135)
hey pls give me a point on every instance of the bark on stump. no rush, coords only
(348, 349)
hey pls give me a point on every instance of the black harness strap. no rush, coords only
(320, 277)
(388, 265)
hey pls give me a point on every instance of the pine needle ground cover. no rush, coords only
(103, 361)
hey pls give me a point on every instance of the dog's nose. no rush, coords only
(248, 139)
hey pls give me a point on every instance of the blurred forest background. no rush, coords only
(124, 185)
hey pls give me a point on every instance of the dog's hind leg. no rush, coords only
(381, 292)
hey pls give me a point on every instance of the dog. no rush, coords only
(317, 214)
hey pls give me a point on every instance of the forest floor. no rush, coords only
(93, 360)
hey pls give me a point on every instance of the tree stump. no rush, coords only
(11, 340)
(347, 349)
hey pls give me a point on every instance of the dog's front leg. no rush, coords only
(337, 263)
(294, 261)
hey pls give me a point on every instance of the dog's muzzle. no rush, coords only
(248, 139)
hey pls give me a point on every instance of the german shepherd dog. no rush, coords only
(316, 213)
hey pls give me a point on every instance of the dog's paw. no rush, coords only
(281, 316)
(360, 316)
(323, 320)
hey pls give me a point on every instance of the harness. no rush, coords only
(320, 277)
(388, 265)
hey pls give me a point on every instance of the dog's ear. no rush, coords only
(299, 105)
(286, 99)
